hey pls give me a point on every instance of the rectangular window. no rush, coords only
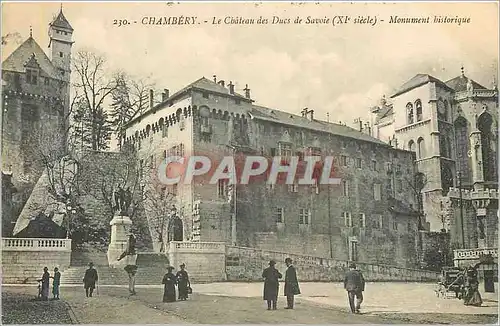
(380, 222)
(377, 191)
(314, 151)
(293, 187)
(359, 163)
(222, 188)
(285, 151)
(347, 219)
(278, 214)
(399, 185)
(305, 216)
(343, 160)
(374, 165)
(395, 225)
(237, 101)
(164, 132)
(353, 250)
(205, 95)
(345, 188)
(362, 220)
(60, 54)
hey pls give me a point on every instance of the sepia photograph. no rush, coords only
(249, 162)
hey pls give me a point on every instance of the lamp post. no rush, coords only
(459, 181)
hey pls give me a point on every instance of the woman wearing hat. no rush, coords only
(169, 282)
(271, 278)
(183, 283)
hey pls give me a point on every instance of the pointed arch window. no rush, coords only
(409, 113)
(420, 148)
(418, 108)
(484, 124)
(462, 147)
(411, 146)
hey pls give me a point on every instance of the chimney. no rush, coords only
(359, 124)
(215, 79)
(165, 95)
(151, 98)
(231, 88)
(247, 91)
(311, 115)
(221, 82)
(303, 113)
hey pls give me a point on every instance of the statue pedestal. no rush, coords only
(120, 229)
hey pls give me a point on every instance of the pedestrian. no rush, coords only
(56, 283)
(45, 284)
(90, 279)
(291, 284)
(472, 296)
(169, 282)
(354, 283)
(183, 284)
(271, 278)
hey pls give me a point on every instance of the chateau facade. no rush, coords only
(452, 127)
(35, 90)
(372, 216)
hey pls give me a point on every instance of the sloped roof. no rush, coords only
(277, 116)
(208, 85)
(384, 112)
(25, 54)
(203, 84)
(61, 21)
(460, 83)
(418, 80)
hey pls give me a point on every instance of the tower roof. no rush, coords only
(417, 81)
(27, 53)
(61, 21)
(460, 83)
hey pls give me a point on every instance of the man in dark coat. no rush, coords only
(90, 279)
(291, 283)
(271, 278)
(354, 283)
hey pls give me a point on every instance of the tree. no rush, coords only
(92, 123)
(158, 208)
(129, 100)
(417, 184)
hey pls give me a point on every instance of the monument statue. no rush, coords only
(122, 200)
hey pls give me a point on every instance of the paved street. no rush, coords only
(224, 303)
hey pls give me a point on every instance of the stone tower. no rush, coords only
(35, 91)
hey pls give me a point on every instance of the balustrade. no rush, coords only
(35, 244)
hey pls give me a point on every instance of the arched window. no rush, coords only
(418, 108)
(462, 147)
(444, 146)
(484, 123)
(409, 112)
(420, 148)
(411, 146)
(445, 115)
(446, 179)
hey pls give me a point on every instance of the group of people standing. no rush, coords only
(181, 279)
(354, 284)
(45, 286)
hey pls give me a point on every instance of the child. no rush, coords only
(56, 283)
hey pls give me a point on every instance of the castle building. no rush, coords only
(371, 216)
(452, 127)
(35, 91)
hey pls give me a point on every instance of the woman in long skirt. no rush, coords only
(472, 296)
(183, 283)
(169, 281)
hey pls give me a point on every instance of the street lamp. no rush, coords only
(459, 181)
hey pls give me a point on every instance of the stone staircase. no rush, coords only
(151, 268)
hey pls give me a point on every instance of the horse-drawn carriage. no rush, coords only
(451, 283)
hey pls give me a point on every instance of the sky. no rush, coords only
(342, 70)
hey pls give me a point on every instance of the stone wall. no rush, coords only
(246, 264)
(23, 260)
(205, 261)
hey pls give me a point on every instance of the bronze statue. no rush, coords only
(122, 200)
